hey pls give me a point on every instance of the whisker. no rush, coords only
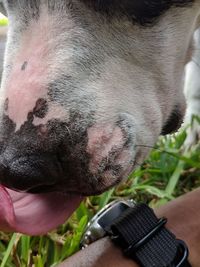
(137, 164)
(157, 149)
(146, 146)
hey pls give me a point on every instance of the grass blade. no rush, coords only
(8, 251)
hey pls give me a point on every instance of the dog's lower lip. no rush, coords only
(41, 189)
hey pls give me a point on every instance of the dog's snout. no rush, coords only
(80, 155)
(27, 173)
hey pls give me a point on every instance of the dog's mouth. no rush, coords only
(40, 189)
(35, 206)
(35, 214)
(35, 209)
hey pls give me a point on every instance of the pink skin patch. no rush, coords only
(107, 150)
(102, 140)
(34, 214)
(28, 79)
(25, 87)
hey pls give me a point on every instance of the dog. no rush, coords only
(87, 87)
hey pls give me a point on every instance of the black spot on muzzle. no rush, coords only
(50, 157)
(53, 156)
(24, 65)
(41, 108)
(139, 11)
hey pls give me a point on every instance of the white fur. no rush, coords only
(192, 92)
(3, 31)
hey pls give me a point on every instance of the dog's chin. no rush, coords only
(35, 214)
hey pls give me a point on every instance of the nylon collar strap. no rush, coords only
(144, 238)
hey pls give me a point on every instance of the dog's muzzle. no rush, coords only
(30, 173)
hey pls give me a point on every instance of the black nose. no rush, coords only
(28, 173)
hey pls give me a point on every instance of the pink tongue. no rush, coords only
(34, 214)
(7, 216)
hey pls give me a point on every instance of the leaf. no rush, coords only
(105, 198)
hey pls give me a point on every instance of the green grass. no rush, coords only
(3, 20)
(166, 174)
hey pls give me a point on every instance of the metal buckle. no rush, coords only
(97, 226)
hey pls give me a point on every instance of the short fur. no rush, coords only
(88, 86)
